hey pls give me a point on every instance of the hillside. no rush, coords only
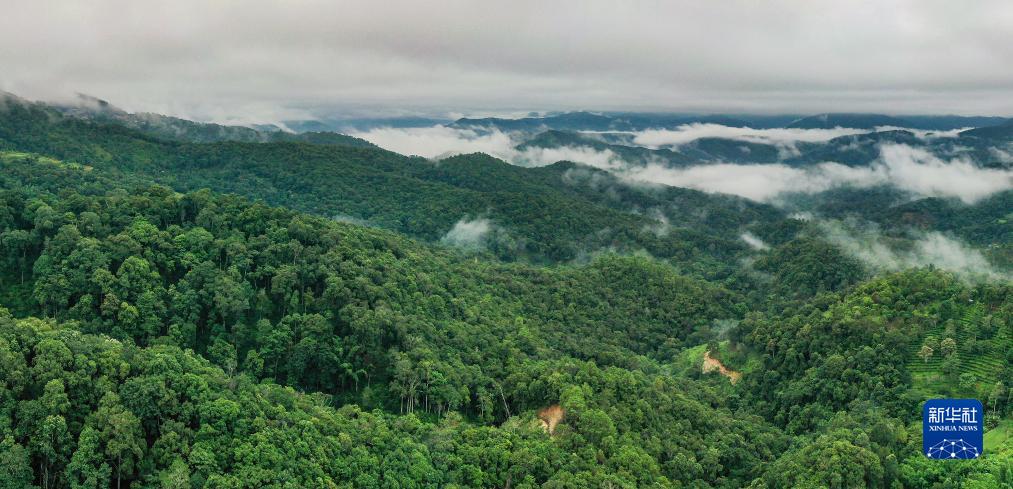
(443, 346)
(975, 364)
(506, 245)
(153, 331)
(176, 129)
(857, 121)
(1000, 132)
(554, 220)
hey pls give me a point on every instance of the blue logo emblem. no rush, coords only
(952, 428)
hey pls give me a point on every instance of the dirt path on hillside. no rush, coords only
(711, 364)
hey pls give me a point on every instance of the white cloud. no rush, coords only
(925, 134)
(753, 241)
(661, 226)
(896, 56)
(347, 219)
(934, 248)
(922, 173)
(655, 138)
(470, 234)
(756, 182)
(1001, 155)
(605, 160)
(911, 169)
(438, 141)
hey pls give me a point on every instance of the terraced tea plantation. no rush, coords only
(980, 343)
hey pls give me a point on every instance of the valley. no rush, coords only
(349, 313)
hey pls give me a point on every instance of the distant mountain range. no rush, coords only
(1002, 131)
(588, 121)
(852, 150)
(92, 108)
(986, 142)
(176, 129)
(552, 212)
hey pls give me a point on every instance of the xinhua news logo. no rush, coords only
(952, 429)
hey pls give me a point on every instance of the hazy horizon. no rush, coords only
(324, 112)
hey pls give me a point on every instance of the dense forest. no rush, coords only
(177, 312)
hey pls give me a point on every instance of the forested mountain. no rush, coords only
(155, 333)
(705, 149)
(872, 121)
(858, 121)
(636, 121)
(1001, 132)
(582, 121)
(617, 143)
(951, 122)
(986, 146)
(553, 213)
(176, 129)
(346, 124)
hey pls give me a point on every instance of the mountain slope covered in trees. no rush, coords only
(156, 334)
(554, 213)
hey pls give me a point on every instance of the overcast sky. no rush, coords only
(271, 60)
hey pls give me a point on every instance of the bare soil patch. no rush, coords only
(711, 364)
(550, 417)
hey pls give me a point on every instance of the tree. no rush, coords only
(87, 468)
(120, 433)
(15, 465)
(17, 242)
(223, 354)
(967, 381)
(231, 295)
(51, 445)
(51, 358)
(253, 364)
(925, 353)
(998, 392)
(177, 476)
(839, 459)
(950, 368)
(948, 347)
(406, 381)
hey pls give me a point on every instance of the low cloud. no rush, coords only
(660, 225)
(468, 234)
(754, 242)
(1002, 155)
(347, 219)
(920, 172)
(925, 134)
(439, 141)
(907, 168)
(656, 138)
(910, 169)
(756, 182)
(605, 160)
(868, 245)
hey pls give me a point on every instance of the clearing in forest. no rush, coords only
(711, 364)
(550, 417)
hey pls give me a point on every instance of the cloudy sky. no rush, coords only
(269, 60)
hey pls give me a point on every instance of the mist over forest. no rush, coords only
(508, 245)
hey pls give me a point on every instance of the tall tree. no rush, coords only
(120, 433)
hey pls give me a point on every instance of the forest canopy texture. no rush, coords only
(280, 311)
